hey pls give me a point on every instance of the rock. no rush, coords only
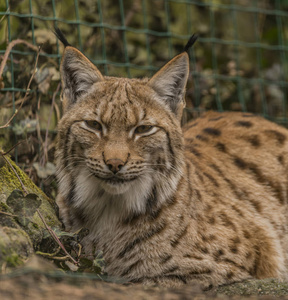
(21, 228)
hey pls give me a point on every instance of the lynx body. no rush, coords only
(165, 204)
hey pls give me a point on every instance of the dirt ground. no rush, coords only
(40, 279)
(34, 286)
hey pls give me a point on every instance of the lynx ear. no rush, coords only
(78, 74)
(170, 82)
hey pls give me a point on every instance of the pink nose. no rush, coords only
(114, 165)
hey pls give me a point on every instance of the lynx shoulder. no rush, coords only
(165, 204)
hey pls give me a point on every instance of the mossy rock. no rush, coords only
(21, 228)
(15, 247)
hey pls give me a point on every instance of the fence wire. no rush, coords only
(239, 62)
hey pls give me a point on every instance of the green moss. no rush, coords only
(18, 240)
(8, 221)
(35, 225)
(4, 207)
(35, 233)
(15, 246)
(13, 260)
(10, 181)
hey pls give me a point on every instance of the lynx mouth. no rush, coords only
(115, 185)
(115, 180)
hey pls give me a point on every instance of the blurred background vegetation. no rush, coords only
(238, 63)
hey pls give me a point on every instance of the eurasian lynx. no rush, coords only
(168, 205)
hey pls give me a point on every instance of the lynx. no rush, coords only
(169, 205)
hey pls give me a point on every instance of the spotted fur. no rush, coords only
(168, 205)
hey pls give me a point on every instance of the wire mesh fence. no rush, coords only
(239, 62)
(134, 38)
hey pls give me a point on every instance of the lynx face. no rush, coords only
(120, 139)
(123, 140)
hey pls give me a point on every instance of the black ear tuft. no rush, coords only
(59, 34)
(191, 42)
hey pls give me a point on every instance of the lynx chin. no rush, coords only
(165, 204)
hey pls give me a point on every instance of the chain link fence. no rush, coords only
(238, 63)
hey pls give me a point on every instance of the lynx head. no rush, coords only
(120, 140)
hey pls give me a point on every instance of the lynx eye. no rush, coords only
(94, 125)
(143, 129)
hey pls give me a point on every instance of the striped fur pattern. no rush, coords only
(168, 205)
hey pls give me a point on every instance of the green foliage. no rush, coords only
(13, 260)
(25, 126)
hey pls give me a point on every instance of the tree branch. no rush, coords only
(27, 90)
(55, 237)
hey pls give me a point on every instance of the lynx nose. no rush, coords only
(114, 165)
